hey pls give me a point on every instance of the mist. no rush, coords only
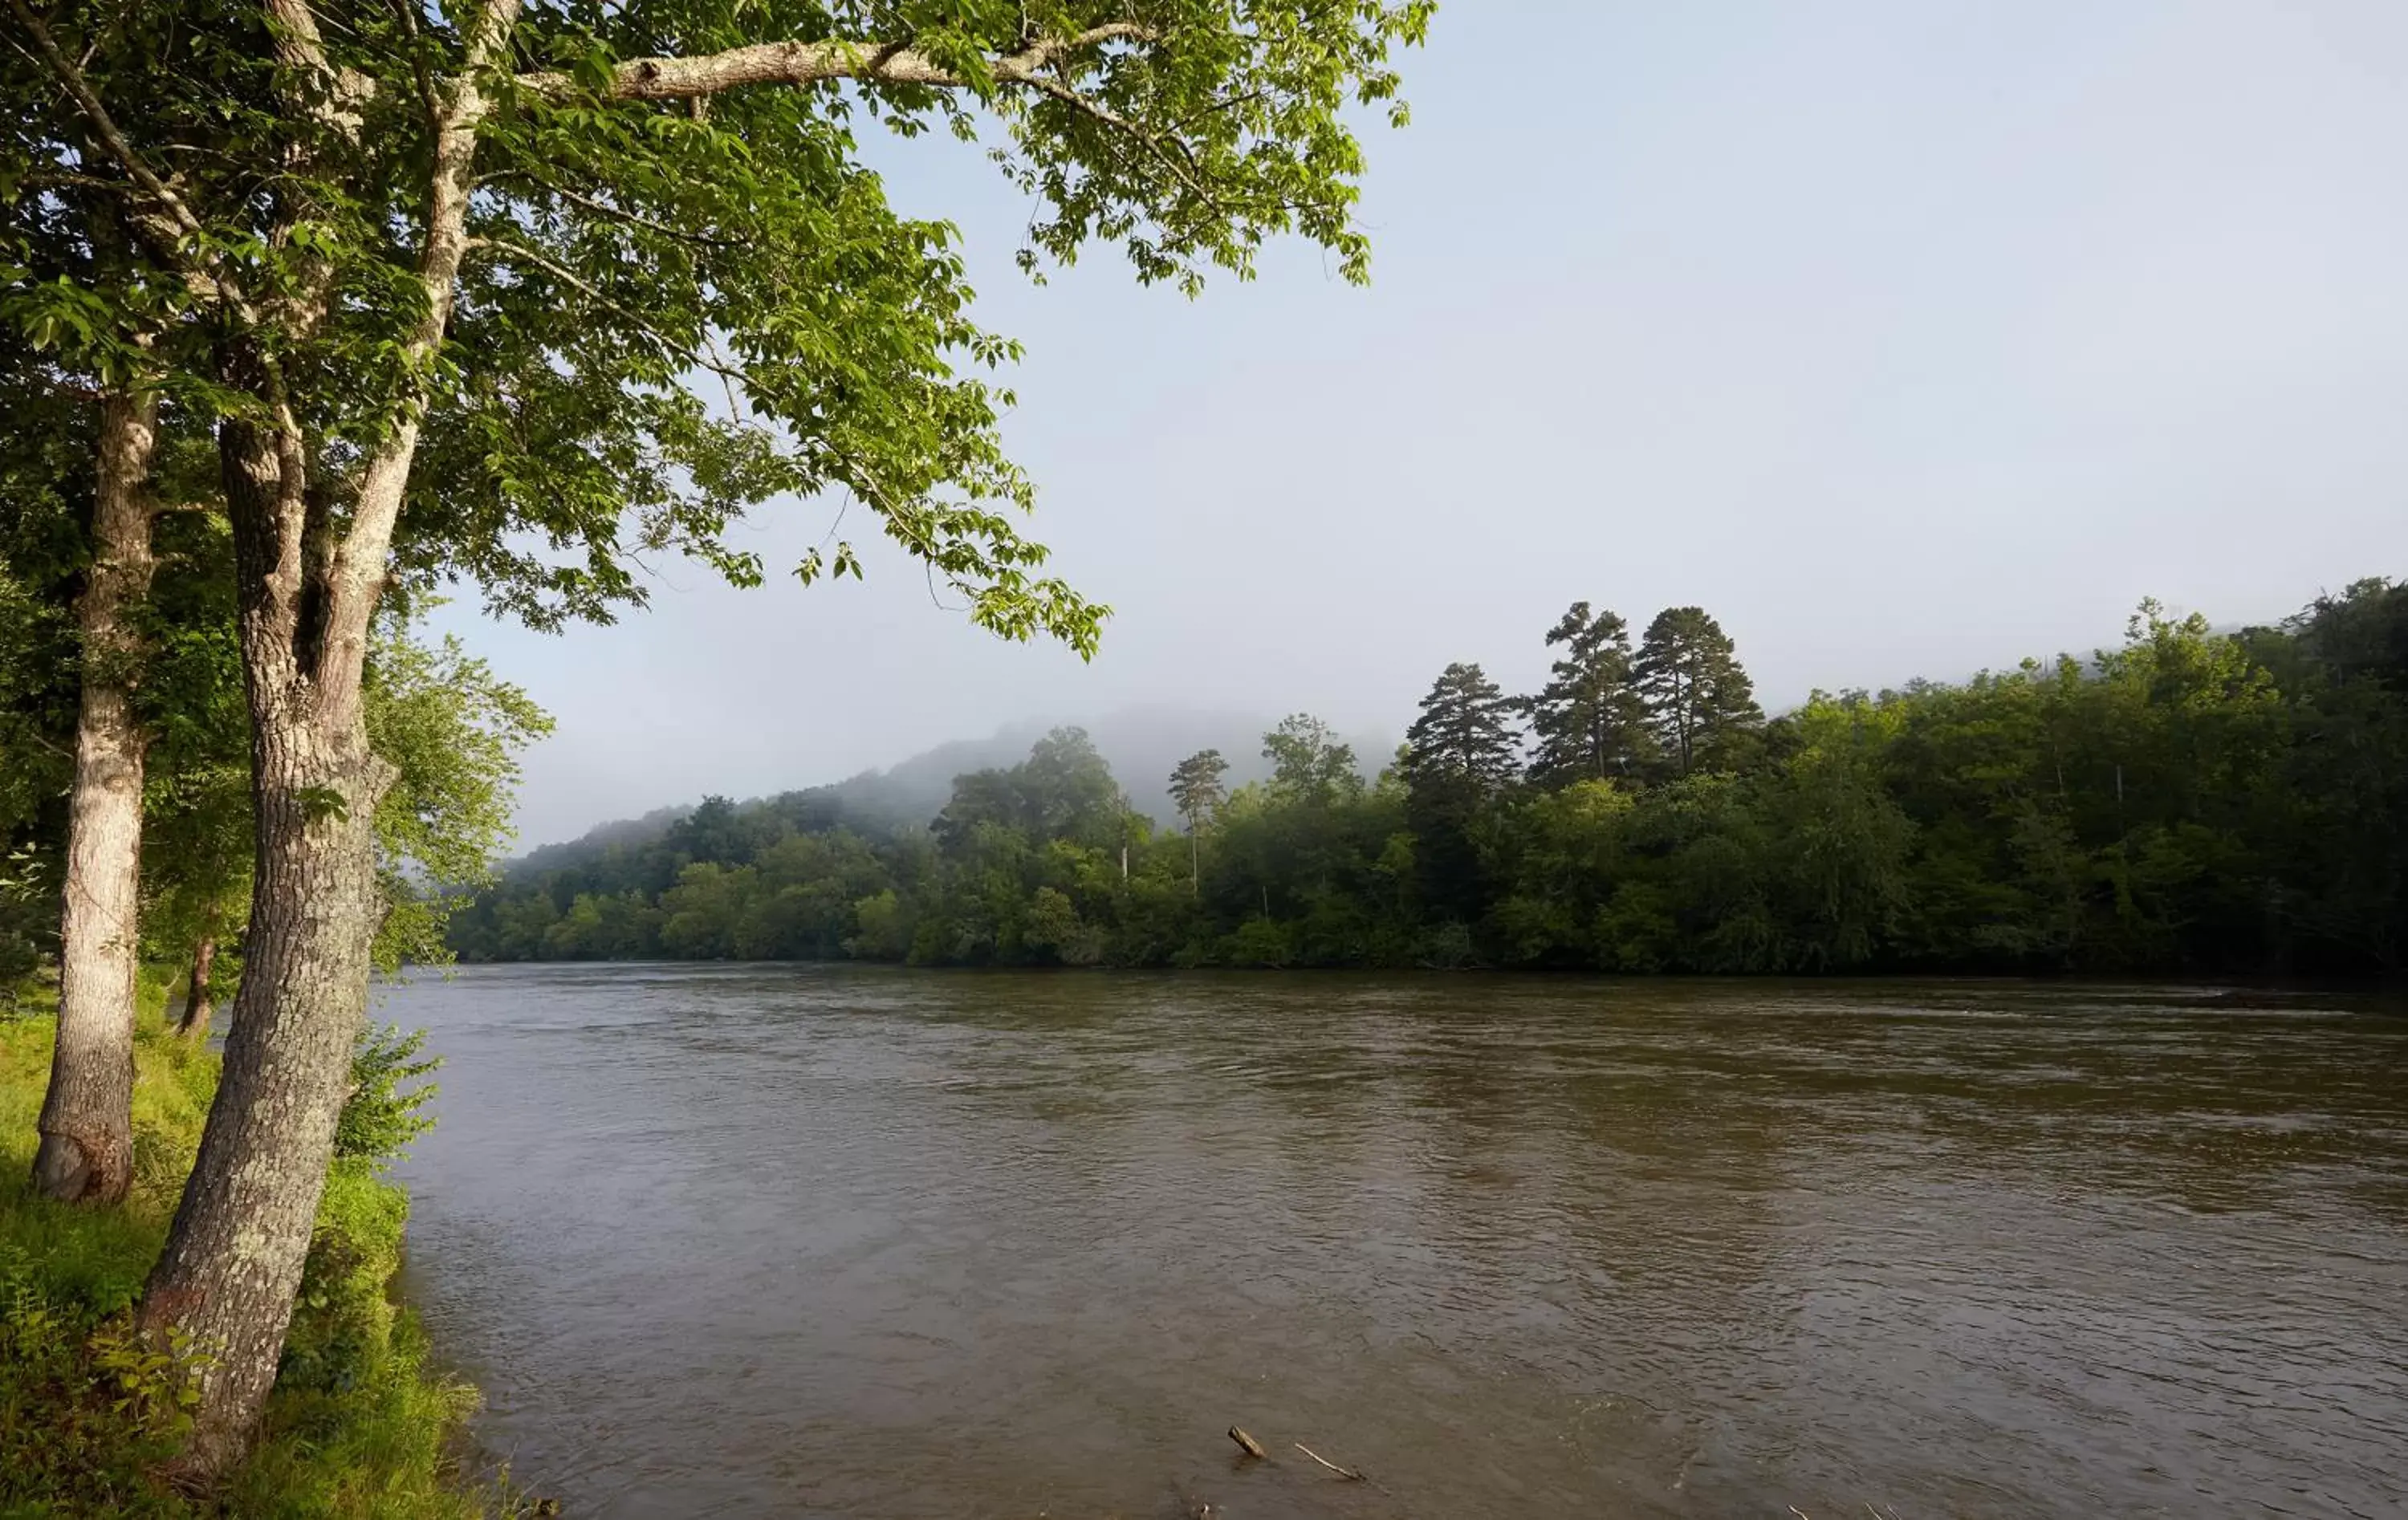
(1907, 340)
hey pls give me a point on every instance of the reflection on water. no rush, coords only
(842, 1242)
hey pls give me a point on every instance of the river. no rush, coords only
(846, 1241)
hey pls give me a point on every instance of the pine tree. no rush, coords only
(1464, 732)
(1458, 755)
(1196, 789)
(1699, 701)
(1589, 721)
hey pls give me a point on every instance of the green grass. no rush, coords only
(358, 1426)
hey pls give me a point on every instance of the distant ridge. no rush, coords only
(1140, 744)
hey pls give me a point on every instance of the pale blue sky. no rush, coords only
(1906, 337)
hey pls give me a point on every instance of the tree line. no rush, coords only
(2190, 801)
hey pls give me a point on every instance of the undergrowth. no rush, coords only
(358, 1426)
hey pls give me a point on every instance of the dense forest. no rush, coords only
(2193, 801)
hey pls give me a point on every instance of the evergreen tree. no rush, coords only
(1589, 721)
(1465, 733)
(1458, 754)
(1701, 703)
(1196, 789)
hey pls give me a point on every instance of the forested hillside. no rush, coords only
(1142, 745)
(2191, 801)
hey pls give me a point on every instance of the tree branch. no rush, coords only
(164, 220)
(1174, 155)
(592, 293)
(406, 11)
(64, 179)
(604, 209)
(811, 62)
(102, 122)
(299, 45)
(357, 575)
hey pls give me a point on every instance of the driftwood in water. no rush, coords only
(1253, 1447)
(1350, 1475)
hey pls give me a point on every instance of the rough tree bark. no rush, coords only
(234, 1254)
(233, 1261)
(199, 1012)
(86, 1153)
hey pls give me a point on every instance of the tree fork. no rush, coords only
(232, 1264)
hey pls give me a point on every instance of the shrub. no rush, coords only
(380, 1119)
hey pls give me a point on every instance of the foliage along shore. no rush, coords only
(2195, 801)
(358, 1426)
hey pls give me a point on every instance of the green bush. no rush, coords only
(380, 1118)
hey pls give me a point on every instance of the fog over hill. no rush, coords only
(1142, 745)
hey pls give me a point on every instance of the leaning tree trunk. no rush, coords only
(199, 1012)
(233, 1259)
(232, 1264)
(86, 1153)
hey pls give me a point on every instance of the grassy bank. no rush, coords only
(358, 1426)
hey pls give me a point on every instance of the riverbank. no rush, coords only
(358, 1426)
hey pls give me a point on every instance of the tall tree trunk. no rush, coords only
(199, 1012)
(232, 1264)
(86, 1153)
(233, 1260)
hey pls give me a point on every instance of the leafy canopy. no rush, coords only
(680, 292)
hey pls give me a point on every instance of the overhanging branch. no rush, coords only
(813, 63)
(1173, 153)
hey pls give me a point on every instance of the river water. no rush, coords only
(803, 1242)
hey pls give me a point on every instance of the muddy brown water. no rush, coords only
(794, 1241)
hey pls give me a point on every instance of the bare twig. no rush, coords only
(63, 179)
(1253, 1447)
(727, 374)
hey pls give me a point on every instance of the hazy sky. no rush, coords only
(1906, 338)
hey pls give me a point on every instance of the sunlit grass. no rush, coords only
(358, 1426)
